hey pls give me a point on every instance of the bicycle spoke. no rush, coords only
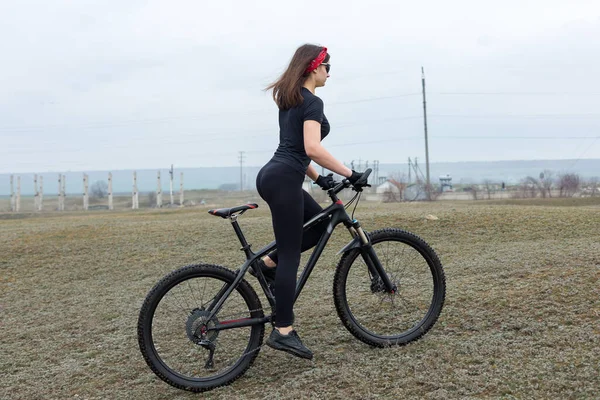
(181, 313)
(385, 314)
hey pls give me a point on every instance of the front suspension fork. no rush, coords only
(370, 257)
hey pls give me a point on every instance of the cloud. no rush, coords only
(147, 81)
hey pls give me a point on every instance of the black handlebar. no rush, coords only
(358, 185)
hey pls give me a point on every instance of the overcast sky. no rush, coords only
(107, 85)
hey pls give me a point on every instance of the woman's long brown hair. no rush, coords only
(287, 90)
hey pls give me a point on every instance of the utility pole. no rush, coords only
(158, 191)
(181, 189)
(36, 198)
(41, 199)
(241, 170)
(12, 193)
(376, 172)
(416, 170)
(134, 193)
(426, 141)
(85, 192)
(60, 199)
(409, 167)
(64, 192)
(171, 185)
(18, 200)
(110, 192)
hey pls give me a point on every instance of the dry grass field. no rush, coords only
(521, 318)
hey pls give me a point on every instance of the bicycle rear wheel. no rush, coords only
(172, 332)
(385, 319)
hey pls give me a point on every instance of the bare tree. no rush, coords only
(474, 190)
(568, 184)
(489, 188)
(531, 187)
(594, 186)
(527, 188)
(99, 189)
(389, 196)
(399, 180)
(545, 183)
(432, 192)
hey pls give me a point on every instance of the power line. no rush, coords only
(219, 136)
(373, 99)
(395, 139)
(516, 93)
(203, 117)
(113, 124)
(579, 115)
(473, 116)
(519, 137)
(585, 151)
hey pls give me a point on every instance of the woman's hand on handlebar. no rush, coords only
(326, 182)
(360, 179)
(355, 176)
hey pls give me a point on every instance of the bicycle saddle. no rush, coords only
(227, 212)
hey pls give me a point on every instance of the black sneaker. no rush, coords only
(268, 272)
(289, 343)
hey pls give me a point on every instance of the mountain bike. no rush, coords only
(202, 325)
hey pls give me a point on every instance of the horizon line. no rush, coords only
(259, 166)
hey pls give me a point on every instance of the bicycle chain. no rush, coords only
(383, 295)
(226, 362)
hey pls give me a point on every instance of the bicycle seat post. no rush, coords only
(238, 231)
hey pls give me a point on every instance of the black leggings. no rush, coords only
(280, 186)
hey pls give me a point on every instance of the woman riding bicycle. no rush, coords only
(302, 125)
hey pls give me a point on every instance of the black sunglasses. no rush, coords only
(327, 66)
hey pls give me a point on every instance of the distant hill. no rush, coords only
(212, 178)
(501, 171)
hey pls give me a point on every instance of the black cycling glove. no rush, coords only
(355, 176)
(326, 182)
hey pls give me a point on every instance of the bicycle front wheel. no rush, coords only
(384, 319)
(174, 328)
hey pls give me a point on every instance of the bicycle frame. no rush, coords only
(337, 215)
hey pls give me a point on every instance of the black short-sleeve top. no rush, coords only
(291, 131)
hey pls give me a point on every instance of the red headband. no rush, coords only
(317, 61)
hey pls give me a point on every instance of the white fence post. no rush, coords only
(181, 190)
(41, 199)
(110, 195)
(36, 196)
(158, 192)
(171, 184)
(18, 202)
(12, 193)
(134, 194)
